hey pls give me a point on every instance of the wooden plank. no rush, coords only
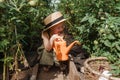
(34, 72)
(73, 73)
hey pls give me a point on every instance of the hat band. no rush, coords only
(53, 22)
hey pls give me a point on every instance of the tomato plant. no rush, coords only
(21, 22)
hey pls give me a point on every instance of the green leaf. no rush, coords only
(118, 54)
(117, 6)
(2, 35)
(20, 36)
(7, 59)
(115, 43)
(107, 43)
(4, 43)
(114, 67)
(92, 20)
(2, 29)
(85, 18)
(13, 18)
(18, 21)
(111, 37)
(2, 5)
(118, 47)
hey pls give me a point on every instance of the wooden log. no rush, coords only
(73, 73)
(34, 72)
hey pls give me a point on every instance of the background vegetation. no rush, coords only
(95, 23)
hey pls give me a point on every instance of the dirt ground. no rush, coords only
(56, 74)
(53, 74)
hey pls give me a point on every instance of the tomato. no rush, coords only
(95, 42)
(32, 3)
(102, 30)
(102, 18)
(119, 35)
(2, 1)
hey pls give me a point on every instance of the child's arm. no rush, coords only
(46, 41)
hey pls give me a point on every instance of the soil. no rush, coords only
(53, 74)
(56, 74)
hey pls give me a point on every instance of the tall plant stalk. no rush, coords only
(4, 67)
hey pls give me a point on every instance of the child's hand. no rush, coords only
(53, 37)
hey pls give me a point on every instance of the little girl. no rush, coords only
(54, 24)
(54, 29)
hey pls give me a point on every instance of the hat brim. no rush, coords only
(54, 24)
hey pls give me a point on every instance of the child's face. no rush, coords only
(57, 29)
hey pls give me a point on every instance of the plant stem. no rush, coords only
(4, 67)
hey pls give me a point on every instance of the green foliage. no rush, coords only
(96, 23)
(21, 22)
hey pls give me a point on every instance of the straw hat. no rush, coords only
(53, 19)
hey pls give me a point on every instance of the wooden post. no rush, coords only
(73, 73)
(34, 72)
